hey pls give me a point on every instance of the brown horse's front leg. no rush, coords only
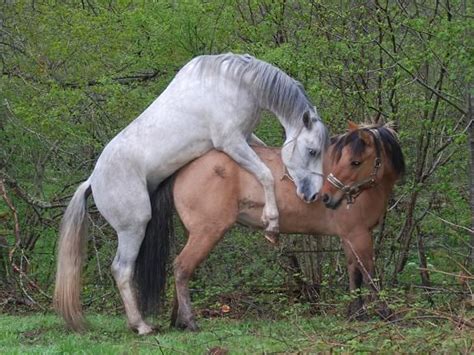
(356, 309)
(359, 251)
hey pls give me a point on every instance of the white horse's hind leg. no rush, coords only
(127, 209)
(241, 152)
(123, 268)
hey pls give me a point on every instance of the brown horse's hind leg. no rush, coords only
(195, 251)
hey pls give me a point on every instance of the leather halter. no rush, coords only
(351, 192)
(286, 173)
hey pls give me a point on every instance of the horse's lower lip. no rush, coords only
(333, 205)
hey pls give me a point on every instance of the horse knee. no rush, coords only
(270, 213)
(266, 177)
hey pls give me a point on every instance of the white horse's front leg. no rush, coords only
(254, 140)
(241, 152)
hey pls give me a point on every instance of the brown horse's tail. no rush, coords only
(71, 254)
(152, 261)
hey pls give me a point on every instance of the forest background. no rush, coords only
(74, 73)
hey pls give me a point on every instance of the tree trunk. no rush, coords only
(3, 259)
(424, 274)
(470, 118)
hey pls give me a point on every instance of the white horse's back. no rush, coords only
(183, 123)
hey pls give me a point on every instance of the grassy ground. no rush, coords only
(109, 335)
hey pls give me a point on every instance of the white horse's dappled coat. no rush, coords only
(213, 102)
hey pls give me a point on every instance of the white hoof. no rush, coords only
(144, 329)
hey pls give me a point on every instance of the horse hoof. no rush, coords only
(272, 237)
(361, 316)
(357, 312)
(192, 328)
(145, 329)
(181, 324)
(189, 327)
(386, 314)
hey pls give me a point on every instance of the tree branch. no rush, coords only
(24, 195)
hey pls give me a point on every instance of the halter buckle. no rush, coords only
(377, 162)
(349, 200)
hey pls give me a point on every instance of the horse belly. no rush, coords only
(250, 212)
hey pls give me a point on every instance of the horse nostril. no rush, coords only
(314, 197)
(325, 198)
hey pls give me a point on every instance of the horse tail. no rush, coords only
(152, 261)
(71, 253)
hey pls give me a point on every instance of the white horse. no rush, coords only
(213, 102)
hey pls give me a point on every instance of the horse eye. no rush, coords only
(312, 152)
(355, 163)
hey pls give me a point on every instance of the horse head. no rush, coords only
(303, 154)
(359, 160)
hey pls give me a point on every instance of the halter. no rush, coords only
(286, 173)
(351, 192)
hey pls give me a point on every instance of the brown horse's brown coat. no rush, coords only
(215, 189)
(213, 192)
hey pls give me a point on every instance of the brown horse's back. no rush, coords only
(215, 189)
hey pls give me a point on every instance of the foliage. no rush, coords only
(75, 73)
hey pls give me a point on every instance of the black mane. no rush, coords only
(357, 145)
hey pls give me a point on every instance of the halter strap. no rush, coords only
(351, 192)
(286, 173)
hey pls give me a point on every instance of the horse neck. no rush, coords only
(388, 180)
(292, 128)
(288, 112)
(289, 129)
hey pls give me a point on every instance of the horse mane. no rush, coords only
(388, 137)
(274, 89)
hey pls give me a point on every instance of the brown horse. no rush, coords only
(212, 193)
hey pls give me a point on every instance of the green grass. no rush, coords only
(45, 334)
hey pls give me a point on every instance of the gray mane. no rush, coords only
(274, 89)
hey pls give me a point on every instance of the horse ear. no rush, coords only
(365, 136)
(352, 126)
(307, 120)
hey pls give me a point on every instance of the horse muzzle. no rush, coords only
(310, 199)
(307, 191)
(331, 202)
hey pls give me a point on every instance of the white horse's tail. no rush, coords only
(71, 254)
